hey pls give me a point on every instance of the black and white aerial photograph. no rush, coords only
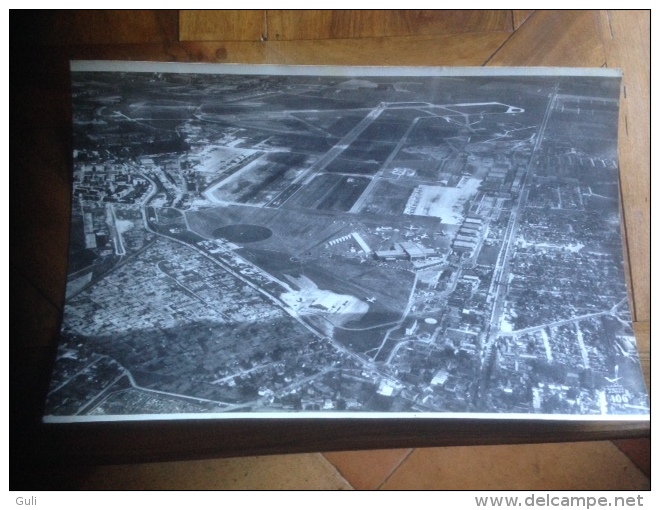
(260, 241)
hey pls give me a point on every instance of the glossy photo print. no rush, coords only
(262, 241)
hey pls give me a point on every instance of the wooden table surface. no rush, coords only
(41, 44)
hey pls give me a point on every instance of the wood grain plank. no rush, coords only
(554, 38)
(287, 25)
(638, 451)
(222, 25)
(520, 16)
(253, 52)
(62, 27)
(449, 50)
(643, 336)
(627, 42)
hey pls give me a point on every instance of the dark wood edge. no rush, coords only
(150, 441)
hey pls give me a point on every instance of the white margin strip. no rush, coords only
(351, 416)
(332, 70)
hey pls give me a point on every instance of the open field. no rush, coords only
(261, 181)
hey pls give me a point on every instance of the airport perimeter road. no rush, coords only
(501, 272)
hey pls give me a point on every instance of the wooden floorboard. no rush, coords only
(468, 49)
(520, 16)
(222, 25)
(295, 25)
(554, 38)
(359, 24)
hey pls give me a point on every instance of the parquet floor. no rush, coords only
(42, 43)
